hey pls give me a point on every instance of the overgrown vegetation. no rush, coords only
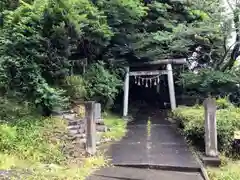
(75, 87)
(228, 171)
(42, 43)
(192, 122)
(34, 147)
(101, 85)
(56, 51)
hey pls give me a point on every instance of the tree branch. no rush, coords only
(230, 5)
(225, 54)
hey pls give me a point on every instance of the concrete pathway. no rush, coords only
(151, 150)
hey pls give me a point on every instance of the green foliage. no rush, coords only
(44, 41)
(208, 82)
(12, 109)
(22, 54)
(175, 29)
(36, 44)
(101, 84)
(223, 103)
(75, 87)
(117, 127)
(35, 144)
(28, 136)
(7, 137)
(192, 120)
(8, 4)
(123, 12)
(25, 138)
(229, 171)
(49, 98)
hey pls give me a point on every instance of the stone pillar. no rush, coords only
(90, 128)
(210, 128)
(171, 86)
(98, 114)
(126, 92)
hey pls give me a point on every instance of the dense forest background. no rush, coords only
(53, 51)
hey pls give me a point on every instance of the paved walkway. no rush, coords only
(150, 151)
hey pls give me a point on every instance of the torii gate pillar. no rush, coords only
(126, 92)
(171, 86)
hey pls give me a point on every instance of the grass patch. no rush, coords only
(35, 145)
(42, 171)
(116, 125)
(229, 171)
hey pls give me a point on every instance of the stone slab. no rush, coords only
(211, 161)
(173, 157)
(123, 173)
(164, 148)
(119, 173)
(128, 154)
(135, 134)
(172, 175)
(165, 134)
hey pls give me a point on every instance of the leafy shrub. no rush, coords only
(49, 98)
(75, 87)
(223, 103)
(23, 56)
(37, 40)
(192, 120)
(12, 109)
(207, 81)
(101, 85)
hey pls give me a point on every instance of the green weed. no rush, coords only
(229, 171)
(116, 125)
(149, 127)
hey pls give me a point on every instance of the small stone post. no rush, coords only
(98, 116)
(210, 128)
(90, 128)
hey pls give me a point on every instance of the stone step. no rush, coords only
(69, 116)
(75, 122)
(99, 121)
(78, 126)
(76, 131)
(83, 135)
(73, 137)
(61, 112)
(101, 128)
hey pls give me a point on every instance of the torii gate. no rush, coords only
(168, 71)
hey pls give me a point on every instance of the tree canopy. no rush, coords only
(44, 41)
